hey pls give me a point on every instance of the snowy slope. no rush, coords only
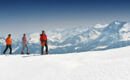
(99, 65)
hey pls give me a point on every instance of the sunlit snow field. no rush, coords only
(97, 65)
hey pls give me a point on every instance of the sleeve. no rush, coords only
(40, 37)
(11, 41)
(46, 37)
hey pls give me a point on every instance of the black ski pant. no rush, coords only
(8, 46)
(42, 48)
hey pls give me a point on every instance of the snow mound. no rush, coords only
(99, 65)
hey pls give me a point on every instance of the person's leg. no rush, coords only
(42, 48)
(27, 48)
(23, 48)
(46, 48)
(10, 47)
(5, 49)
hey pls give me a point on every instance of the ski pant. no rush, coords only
(8, 46)
(26, 47)
(42, 48)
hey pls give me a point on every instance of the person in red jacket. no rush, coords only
(43, 39)
(8, 44)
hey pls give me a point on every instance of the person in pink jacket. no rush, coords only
(25, 44)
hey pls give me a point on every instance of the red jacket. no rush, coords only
(43, 37)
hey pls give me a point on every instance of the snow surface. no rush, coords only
(99, 65)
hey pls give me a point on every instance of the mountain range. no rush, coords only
(77, 39)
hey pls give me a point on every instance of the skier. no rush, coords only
(25, 44)
(43, 39)
(8, 44)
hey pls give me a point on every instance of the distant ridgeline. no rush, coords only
(77, 39)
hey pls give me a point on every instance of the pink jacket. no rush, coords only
(25, 42)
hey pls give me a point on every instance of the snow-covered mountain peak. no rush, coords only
(117, 22)
(114, 27)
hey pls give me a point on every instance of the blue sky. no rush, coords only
(19, 16)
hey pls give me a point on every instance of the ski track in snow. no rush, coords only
(99, 65)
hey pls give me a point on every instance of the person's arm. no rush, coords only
(46, 37)
(26, 40)
(41, 38)
(11, 41)
(23, 40)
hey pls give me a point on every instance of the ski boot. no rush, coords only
(46, 53)
(28, 53)
(22, 53)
